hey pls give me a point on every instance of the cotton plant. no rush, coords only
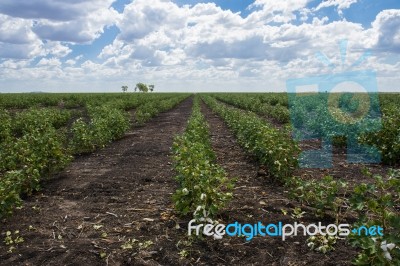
(205, 186)
(322, 243)
(185, 191)
(202, 215)
(376, 204)
(386, 248)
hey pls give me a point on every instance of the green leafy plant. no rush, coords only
(12, 240)
(271, 105)
(151, 108)
(322, 243)
(204, 185)
(320, 194)
(106, 124)
(387, 139)
(26, 160)
(271, 146)
(136, 244)
(297, 213)
(27, 121)
(39, 141)
(183, 253)
(376, 205)
(5, 125)
(129, 244)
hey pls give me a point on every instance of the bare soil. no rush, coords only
(102, 201)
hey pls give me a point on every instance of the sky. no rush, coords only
(193, 45)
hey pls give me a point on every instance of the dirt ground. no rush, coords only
(102, 201)
(114, 207)
(258, 198)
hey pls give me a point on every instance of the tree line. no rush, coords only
(141, 87)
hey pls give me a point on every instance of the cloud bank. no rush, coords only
(49, 44)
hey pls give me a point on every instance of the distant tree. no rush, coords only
(151, 88)
(142, 87)
(124, 88)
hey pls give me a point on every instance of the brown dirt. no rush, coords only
(257, 198)
(341, 168)
(101, 201)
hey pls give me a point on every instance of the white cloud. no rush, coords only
(318, 21)
(78, 21)
(50, 62)
(15, 64)
(204, 45)
(15, 30)
(70, 62)
(112, 49)
(82, 30)
(57, 49)
(17, 39)
(59, 10)
(144, 16)
(340, 4)
(387, 26)
(22, 37)
(277, 11)
(280, 6)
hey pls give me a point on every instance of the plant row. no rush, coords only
(271, 146)
(106, 123)
(20, 101)
(151, 108)
(373, 204)
(270, 107)
(109, 122)
(204, 187)
(387, 138)
(367, 124)
(38, 142)
(24, 122)
(26, 159)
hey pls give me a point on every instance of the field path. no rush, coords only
(110, 207)
(250, 190)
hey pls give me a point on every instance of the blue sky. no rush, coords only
(191, 45)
